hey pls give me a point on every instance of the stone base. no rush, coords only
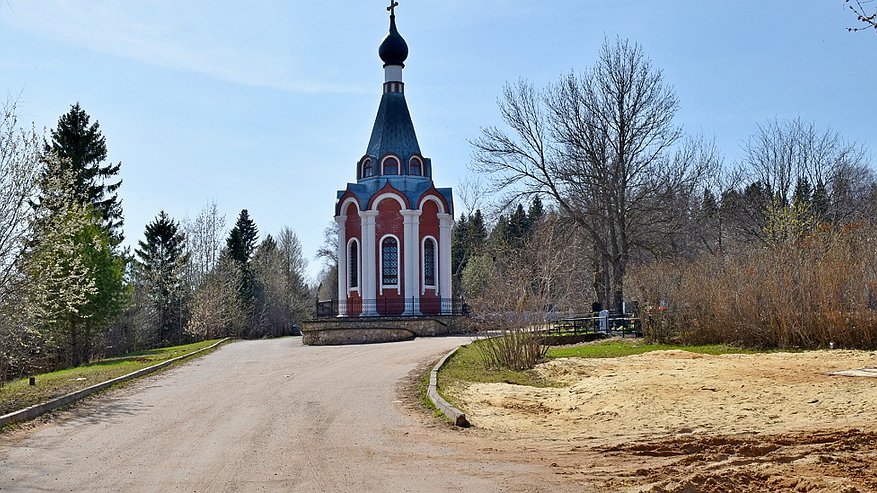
(337, 331)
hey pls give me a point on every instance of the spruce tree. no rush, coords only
(241, 245)
(161, 262)
(477, 231)
(459, 245)
(81, 150)
(518, 227)
(536, 211)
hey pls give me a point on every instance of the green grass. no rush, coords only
(466, 365)
(620, 348)
(18, 394)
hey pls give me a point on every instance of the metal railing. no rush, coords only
(391, 307)
(611, 323)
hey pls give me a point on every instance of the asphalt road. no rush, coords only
(265, 416)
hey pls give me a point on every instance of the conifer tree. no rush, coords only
(536, 211)
(161, 263)
(518, 227)
(241, 246)
(82, 149)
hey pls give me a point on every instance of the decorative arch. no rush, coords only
(391, 165)
(366, 167)
(390, 272)
(433, 195)
(415, 166)
(388, 191)
(346, 200)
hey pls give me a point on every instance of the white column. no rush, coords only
(445, 280)
(342, 265)
(369, 278)
(411, 223)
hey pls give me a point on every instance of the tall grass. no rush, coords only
(805, 293)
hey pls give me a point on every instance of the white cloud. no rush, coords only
(258, 44)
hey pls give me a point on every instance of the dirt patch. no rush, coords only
(674, 421)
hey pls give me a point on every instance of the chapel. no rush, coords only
(394, 225)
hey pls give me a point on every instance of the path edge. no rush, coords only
(455, 415)
(36, 410)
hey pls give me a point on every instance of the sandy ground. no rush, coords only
(279, 416)
(683, 422)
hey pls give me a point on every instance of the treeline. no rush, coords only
(69, 290)
(776, 249)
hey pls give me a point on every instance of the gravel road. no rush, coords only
(267, 416)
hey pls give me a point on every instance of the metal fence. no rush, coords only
(391, 307)
(604, 323)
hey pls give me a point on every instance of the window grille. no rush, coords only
(391, 167)
(353, 265)
(390, 262)
(429, 262)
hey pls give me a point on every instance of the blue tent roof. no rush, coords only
(393, 131)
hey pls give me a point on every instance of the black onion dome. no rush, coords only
(394, 49)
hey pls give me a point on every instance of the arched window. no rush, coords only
(415, 167)
(367, 169)
(353, 265)
(429, 262)
(391, 166)
(389, 262)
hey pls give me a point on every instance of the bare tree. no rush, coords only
(796, 160)
(598, 143)
(205, 236)
(865, 14)
(19, 170)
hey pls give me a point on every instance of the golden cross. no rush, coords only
(392, 8)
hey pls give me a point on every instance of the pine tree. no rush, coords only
(241, 245)
(161, 266)
(477, 231)
(536, 211)
(499, 236)
(81, 149)
(459, 245)
(803, 192)
(518, 227)
(242, 238)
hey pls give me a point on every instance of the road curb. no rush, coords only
(34, 411)
(455, 415)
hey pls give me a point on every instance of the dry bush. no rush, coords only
(806, 292)
(515, 348)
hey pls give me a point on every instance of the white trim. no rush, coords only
(393, 73)
(341, 221)
(362, 168)
(342, 211)
(398, 164)
(398, 285)
(435, 267)
(435, 199)
(368, 260)
(384, 196)
(415, 158)
(446, 223)
(356, 289)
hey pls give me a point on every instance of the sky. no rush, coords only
(267, 105)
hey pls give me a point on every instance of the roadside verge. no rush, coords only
(455, 415)
(32, 412)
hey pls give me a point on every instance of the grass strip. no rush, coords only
(18, 394)
(630, 347)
